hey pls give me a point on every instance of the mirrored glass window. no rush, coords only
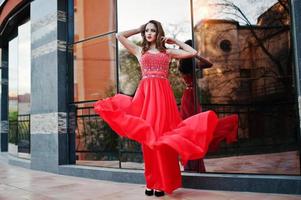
(93, 17)
(249, 44)
(19, 66)
(94, 69)
(13, 96)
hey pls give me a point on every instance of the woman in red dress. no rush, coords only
(152, 118)
(187, 107)
(226, 128)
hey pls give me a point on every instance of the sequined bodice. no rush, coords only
(155, 65)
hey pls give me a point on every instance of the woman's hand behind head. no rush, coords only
(168, 40)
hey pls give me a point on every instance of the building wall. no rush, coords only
(8, 8)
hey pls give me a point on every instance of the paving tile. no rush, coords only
(23, 184)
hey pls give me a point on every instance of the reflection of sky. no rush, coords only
(133, 13)
(24, 58)
(13, 67)
(251, 8)
(19, 66)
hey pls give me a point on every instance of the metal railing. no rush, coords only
(19, 133)
(263, 128)
(95, 140)
(266, 89)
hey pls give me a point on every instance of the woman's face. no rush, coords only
(150, 32)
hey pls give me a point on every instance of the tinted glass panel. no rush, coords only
(93, 17)
(94, 69)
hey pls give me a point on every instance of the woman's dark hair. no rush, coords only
(160, 33)
(185, 65)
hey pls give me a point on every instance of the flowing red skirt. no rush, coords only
(152, 118)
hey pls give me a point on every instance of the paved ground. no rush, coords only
(18, 183)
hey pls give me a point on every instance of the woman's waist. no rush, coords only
(155, 74)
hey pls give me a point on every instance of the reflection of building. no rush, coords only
(277, 15)
(251, 63)
(94, 72)
(216, 38)
(63, 76)
(24, 104)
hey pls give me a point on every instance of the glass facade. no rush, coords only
(252, 75)
(250, 48)
(94, 72)
(13, 96)
(24, 62)
(94, 77)
(19, 65)
(102, 13)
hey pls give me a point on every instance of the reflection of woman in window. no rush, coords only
(151, 117)
(226, 127)
(187, 102)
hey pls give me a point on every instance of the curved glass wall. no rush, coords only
(249, 44)
(13, 96)
(94, 77)
(252, 75)
(19, 66)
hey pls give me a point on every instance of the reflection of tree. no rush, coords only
(175, 80)
(259, 61)
(13, 127)
(179, 30)
(96, 136)
(260, 54)
(129, 72)
(13, 116)
(110, 91)
(277, 22)
(175, 29)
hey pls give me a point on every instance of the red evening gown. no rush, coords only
(152, 118)
(187, 110)
(187, 100)
(226, 128)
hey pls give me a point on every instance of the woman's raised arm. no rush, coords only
(186, 51)
(129, 45)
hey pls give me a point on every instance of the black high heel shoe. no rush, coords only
(149, 192)
(159, 193)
